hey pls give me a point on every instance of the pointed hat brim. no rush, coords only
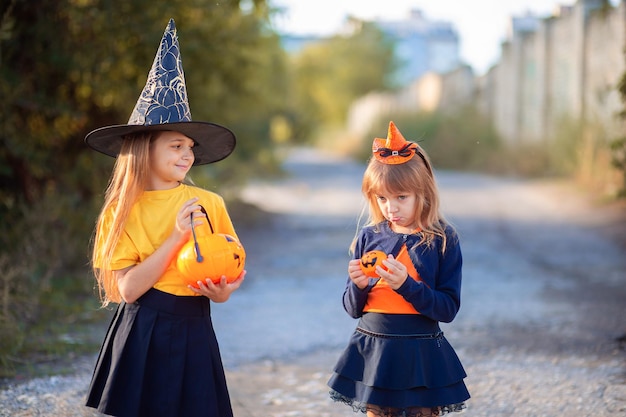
(213, 142)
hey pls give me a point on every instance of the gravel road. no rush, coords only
(543, 309)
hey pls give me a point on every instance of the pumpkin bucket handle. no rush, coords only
(199, 257)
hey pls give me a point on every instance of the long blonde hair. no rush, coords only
(127, 183)
(415, 175)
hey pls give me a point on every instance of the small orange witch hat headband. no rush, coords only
(395, 149)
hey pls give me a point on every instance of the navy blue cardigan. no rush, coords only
(438, 296)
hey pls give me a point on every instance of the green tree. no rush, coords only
(329, 75)
(70, 66)
(618, 146)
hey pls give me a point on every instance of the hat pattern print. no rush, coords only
(164, 98)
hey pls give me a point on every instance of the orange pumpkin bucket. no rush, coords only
(210, 255)
(370, 260)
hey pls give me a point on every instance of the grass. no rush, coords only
(69, 324)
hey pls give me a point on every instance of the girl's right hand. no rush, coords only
(183, 218)
(356, 274)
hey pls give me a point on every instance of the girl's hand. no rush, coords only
(356, 274)
(396, 272)
(219, 292)
(183, 218)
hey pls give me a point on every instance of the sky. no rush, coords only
(481, 24)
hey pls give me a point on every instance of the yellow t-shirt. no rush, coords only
(152, 220)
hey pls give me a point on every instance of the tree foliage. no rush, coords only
(70, 66)
(618, 146)
(329, 75)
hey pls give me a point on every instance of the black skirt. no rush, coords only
(399, 361)
(160, 357)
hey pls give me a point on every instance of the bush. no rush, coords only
(43, 248)
(618, 153)
(463, 140)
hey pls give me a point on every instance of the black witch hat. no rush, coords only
(163, 105)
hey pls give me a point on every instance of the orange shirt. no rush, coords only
(383, 299)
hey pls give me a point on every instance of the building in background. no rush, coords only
(422, 45)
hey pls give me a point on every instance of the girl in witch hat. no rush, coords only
(398, 362)
(160, 356)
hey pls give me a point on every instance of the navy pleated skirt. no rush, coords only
(399, 361)
(160, 357)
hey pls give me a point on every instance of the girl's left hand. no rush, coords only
(219, 292)
(396, 272)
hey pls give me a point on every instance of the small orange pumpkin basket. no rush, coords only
(210, 255)
(370, 260)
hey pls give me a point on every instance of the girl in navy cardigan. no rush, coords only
(398, 362)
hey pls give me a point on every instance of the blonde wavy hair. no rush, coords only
(128, 181)
(413, 176)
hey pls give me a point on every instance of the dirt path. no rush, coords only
(543, 299)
